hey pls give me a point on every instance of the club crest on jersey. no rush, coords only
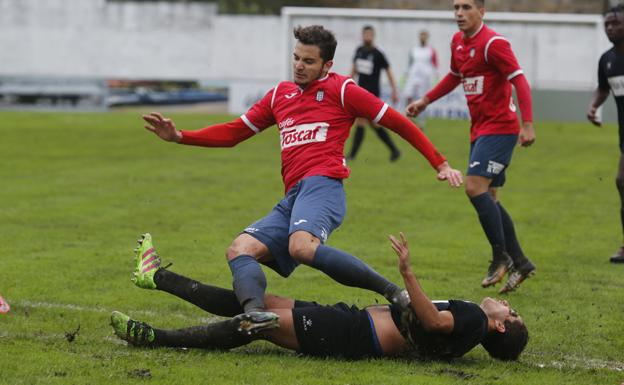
(303, 134)
(473, 85)
(320, 95)
(472, 52)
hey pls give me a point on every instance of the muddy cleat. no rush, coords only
(497, 270)
(401, 298)
(618, 257)
(135, 332)
(257, 321)
(517, 276)
(147, 263)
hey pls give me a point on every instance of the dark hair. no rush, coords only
(368, 28)
(318, 36)
(507, 346)
(616, 9)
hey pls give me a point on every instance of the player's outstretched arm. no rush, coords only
(598, 98)
(446, 85)
(429, 316)
(163, 127)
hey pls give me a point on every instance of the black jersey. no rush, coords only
(470, 328)
(368, 65)
(611, 77)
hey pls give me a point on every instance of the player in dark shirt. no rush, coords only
(611, 78)
(368, 62)
(423, 330)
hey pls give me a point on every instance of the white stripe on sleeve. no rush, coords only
(487, 46)
(249, 124)
(273, 97)
(342, 90)
(513, 75)
(381, 113)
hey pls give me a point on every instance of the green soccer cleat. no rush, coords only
(147, 263)
(135, 332)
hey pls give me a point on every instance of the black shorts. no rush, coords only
(334, 331)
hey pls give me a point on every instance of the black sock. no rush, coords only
(512, 245)
(358, 138)
(491, 222)
(215, 300)
(348, 270)
(383, 135)
(217, 335)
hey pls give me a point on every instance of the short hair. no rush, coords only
(616, 9)
(318, 36)
(507, 346)
(368, 28)
(479, 3)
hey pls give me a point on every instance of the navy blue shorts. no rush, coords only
(490, 156)
(316, 204)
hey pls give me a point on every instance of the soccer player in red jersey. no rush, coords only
(314, 114)
(484, 63)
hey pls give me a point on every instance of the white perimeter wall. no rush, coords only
(95, 38)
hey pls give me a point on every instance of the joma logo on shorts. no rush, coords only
(303, 133)
(473, 86)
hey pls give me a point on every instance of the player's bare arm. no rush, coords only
(425, 310)
(395, 93)
(598, 98)
(163, 127)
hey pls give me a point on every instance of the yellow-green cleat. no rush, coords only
(135, 332)
(147, 262)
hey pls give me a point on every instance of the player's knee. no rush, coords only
(302, 252)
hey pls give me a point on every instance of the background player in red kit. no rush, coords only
(314, 114)
(484, 63)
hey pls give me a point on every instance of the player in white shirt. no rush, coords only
(421, 72)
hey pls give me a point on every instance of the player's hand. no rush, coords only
(527, 134)
(402, 251)
(593, 117)
(163, 127)
(454, 177)
(415, 108)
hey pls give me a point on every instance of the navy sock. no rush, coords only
(512, 245)
(348, 270)
(358, 138)
(215, 300)
(491, 222)
(249, 282)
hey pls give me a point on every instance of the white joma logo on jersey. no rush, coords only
(303, 133)
(617, 85)
(473, 86)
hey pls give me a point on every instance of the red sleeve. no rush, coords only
(411, 133)
(219, 135)
(499, 54)
(446, 85)
(260, 115)
(523, 91)
(360, 103)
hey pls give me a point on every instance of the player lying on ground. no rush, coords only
(424, 330)
(313, 114)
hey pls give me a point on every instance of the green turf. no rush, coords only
(77, 189)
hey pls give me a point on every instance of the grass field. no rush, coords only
(77, 189)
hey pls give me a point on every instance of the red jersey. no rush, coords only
(486, 64)
(314, 123)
